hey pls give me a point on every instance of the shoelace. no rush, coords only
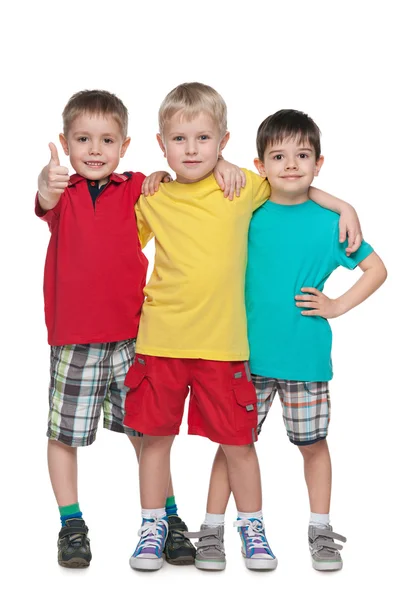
(255, 533)
(152, 532)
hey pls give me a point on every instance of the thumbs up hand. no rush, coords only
(52, 181)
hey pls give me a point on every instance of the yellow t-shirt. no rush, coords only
(194, 301)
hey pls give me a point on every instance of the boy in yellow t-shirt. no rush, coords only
(192, 332)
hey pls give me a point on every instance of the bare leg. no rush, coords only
(244, 477)
(318, 475)
(154, 470)
(219, 489)
(137, 444)
(63, 471)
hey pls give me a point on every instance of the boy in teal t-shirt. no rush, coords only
(293, 249)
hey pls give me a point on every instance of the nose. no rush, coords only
(95, 149)
(191, 148)
(291, 164)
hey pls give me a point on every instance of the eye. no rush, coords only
(178, 138)
(108, 141)
(204, 137)
(303, 155)
(83, 138)
(278, 156)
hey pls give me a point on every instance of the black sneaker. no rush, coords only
(74, 545)
(178, 549)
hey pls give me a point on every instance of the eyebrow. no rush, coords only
(88, 133)
(297, 150)
(197, 132)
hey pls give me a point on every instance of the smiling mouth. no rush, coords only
(94, 164)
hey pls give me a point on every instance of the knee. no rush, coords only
(238, 452)
(311, 450)
(160, 443)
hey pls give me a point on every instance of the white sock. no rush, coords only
(213, 520)
(151, 513)
(319, 520)
(254, 515)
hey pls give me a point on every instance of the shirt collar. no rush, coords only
(76, 178)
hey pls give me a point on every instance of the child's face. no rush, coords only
(192, 147)
(290, 167)
(94, 144)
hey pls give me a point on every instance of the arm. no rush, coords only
(374, 274)
(152, 182)
(229, 178)
(349, 222)
(52, 181)
(144, 231)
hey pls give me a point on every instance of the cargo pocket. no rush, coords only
(245, 399)
(137, 382)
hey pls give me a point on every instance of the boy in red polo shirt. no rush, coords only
(94, 276)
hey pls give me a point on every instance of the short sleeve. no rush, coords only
(49, 216)
(260, 189)
(144, 231)
(353, 260)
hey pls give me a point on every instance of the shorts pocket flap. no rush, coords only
(246, 396)
(135, 377)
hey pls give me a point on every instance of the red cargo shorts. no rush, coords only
(223, 403)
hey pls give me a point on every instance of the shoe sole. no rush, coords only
(182, 561)
(146, 564)
(74, 563)
(208, 565)
(326, 566)
(260, 564)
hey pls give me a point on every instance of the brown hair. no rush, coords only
(288, 124)
(96, 102)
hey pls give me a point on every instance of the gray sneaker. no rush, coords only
(210, 553)
(325, 553)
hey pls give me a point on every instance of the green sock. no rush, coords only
(171, 507)
(71, 511)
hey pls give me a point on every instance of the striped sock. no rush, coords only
(71, 511)
(171, 507)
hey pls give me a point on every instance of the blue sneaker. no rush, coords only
(255, 548)
(148, 555)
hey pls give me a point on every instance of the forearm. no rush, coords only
(368, 283)
(328, 201)
(47, 204)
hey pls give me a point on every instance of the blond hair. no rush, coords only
(95, 102)
(193, 98)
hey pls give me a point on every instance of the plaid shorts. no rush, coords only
(306, 407)
(83, 379)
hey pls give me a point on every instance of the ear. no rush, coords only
(161, 144)
(64, 143)
(224, 141)
(318, 165)
(124, 146)
(259, 165)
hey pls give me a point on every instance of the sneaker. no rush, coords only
(74, 545)
(148, 555)
(178, 549)
(325, 553)
(255, 548)
(210, 553)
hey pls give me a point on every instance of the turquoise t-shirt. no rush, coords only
(291, 247)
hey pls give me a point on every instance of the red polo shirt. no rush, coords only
(95, 270)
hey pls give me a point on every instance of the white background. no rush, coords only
(338, 61)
